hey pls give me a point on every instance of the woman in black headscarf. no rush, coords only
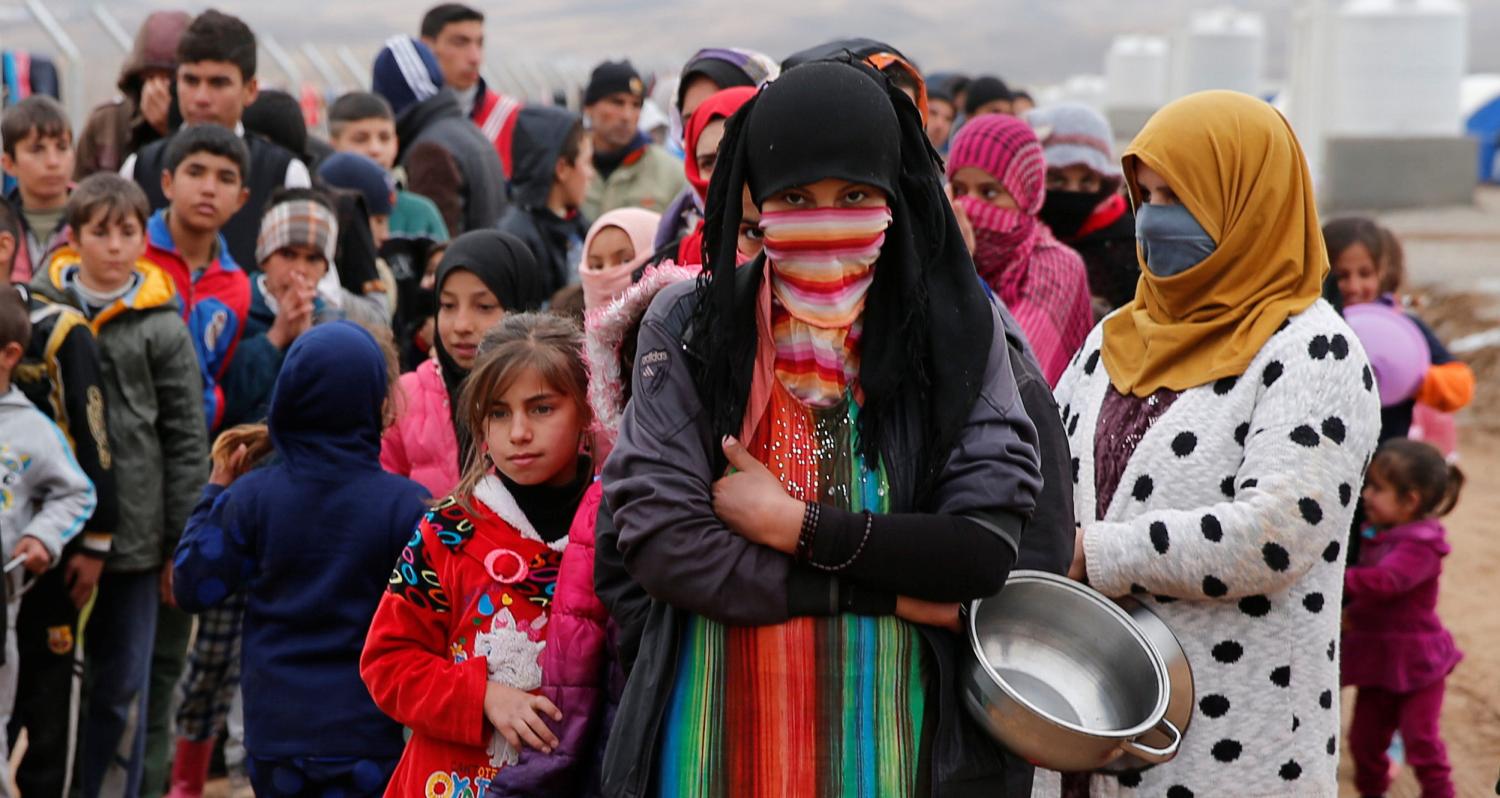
(824, 452)
(483, 275)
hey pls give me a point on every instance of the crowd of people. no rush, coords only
(490, 448)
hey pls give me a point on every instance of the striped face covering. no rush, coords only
(822, 264)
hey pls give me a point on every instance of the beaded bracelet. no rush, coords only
(809, 529)
(869, 522)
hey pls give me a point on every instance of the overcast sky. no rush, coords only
(1026, 41)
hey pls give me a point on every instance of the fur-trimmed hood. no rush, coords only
(604, 339)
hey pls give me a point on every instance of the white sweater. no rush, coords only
(1229, 522)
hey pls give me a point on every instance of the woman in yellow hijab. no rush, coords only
(1221, 423)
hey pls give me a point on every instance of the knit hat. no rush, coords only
(297, 222)
(613, 77)
(355, 172)
(406, 73)
(277, 116)
(1073, 134)
(985, 90)
(1005, 147)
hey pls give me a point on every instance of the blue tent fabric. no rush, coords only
(1484, 125)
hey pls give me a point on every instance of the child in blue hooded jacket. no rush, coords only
(310, 538)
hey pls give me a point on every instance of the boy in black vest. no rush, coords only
(215, 83)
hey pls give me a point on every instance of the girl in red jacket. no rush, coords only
(489, 641)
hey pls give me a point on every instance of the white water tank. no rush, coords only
(1398, 67)
(1137, 71)
(1220, 49)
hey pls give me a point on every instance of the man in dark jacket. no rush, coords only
(408, 77)
(553, 171)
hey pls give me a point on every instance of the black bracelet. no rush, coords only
(869, 522)
(810, 514)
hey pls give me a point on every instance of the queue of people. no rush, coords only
(489, 449)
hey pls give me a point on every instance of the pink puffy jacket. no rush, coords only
(421, 445)
(580, 675)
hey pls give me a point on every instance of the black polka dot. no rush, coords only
(1312, 512)
(1333, 649)
(1292, 771)
(1346, 494)
(1325, 700)
(1227, 750)
(1227, 487)
(1305, 436)
(1317, 348)
(1212, 529)
(1333, 429)
(1225, 385)
(1067, 411)
(1073, 426)
(1213, 705)
(1333, 746)
(1075, 470)
(1331, 554)
(1241, 433)
(1368, 378)
(1228, 652)
(1092, 363)
(1255, 606)
(1164, 599)
(1273, 372)
(1296, 723)
(1159, 537)
(1282, 676)
(1285, 323)
(1213, 588)
(1143, 487)
(1313, 602)
(1184, 444)
(1135, 588)
(1339, 346)
(1276, 557)
(1179, 791)
(1130, 778)
(1249, 483)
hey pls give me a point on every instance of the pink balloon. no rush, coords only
(1398, 351)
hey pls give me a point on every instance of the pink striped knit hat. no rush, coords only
(1007, 148)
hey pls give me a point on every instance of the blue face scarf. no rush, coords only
(1171, 240)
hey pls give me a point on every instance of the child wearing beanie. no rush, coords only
(295, 251)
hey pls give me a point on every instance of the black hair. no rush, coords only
(284, 194)
(216, 36)
(117, 197)
(1408, 465)
(212, 139)
(15, 318)
(441, 16)
(38, 113)
(357, 106)
(1022, 94)
(572, 143)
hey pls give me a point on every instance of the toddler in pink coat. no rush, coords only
(1395, 649)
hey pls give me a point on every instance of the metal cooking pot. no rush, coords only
(1062, 676)
(1181, 692)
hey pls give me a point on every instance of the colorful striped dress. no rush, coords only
(816, 706)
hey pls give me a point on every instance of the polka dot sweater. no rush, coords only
(1229, 522)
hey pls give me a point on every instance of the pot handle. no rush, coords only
(1156, 755)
